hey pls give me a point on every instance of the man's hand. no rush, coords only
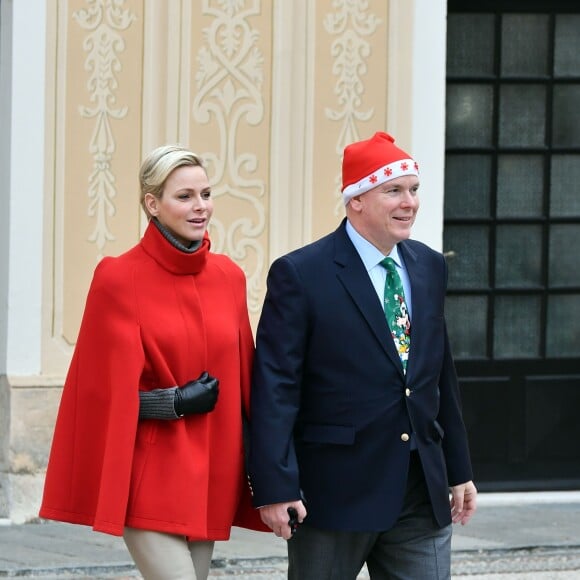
(276, 517)
(463, 502)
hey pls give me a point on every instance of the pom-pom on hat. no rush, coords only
(369, 163)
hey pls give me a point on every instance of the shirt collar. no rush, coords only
(370, 255)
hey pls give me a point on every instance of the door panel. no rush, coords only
(512, 225)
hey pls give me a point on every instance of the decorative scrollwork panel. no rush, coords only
(230, 112)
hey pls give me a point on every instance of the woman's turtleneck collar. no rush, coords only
(193, 246)
(170, 254)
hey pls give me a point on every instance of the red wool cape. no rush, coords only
(155, 317)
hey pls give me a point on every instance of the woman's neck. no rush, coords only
(193, 246)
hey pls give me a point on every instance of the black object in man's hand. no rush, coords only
(199, 396)
(293, 521)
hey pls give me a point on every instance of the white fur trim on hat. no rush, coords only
(381, 175)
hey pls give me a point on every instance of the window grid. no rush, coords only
(550, 82)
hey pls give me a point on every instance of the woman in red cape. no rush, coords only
(148, 439)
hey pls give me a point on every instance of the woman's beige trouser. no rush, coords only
(162, 556)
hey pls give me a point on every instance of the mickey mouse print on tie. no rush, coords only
(396, 311)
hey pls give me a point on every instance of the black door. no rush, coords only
(512, 236)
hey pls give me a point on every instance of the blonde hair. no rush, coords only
(157, 167)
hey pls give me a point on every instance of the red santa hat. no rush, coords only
(369, 163)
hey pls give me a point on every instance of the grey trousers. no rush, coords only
(162, 556)
(414, 549)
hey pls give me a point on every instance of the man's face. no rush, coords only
(385, 214)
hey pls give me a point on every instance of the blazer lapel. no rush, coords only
(419, 281)
(355, 279)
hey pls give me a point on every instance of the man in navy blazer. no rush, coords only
(364, 440)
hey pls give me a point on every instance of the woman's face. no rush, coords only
(185, 206)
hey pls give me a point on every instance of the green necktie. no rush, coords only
(396, 311)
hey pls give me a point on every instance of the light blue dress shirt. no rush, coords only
(372, 258)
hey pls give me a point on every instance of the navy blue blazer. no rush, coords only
(331, 407)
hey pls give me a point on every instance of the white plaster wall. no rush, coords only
(25, 158)
(428, 118)
(5, 75)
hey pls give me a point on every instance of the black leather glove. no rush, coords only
(199, 396)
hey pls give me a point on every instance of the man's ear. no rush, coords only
(355, 203)
(151, 203)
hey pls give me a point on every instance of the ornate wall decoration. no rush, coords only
(229, 83)
(351, 24)
(104, 19)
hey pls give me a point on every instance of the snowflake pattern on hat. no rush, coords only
(390, 173)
